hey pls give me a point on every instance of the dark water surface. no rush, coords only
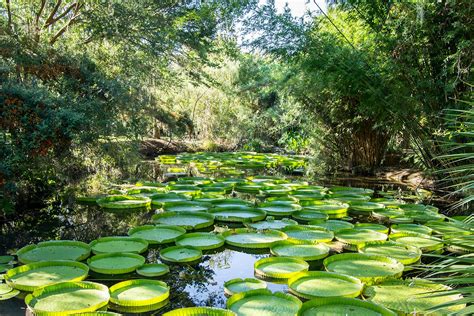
(200, 284)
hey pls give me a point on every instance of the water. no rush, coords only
(191, 285)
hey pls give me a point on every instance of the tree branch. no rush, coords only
(9, 14)
(51, 19)
(68, 24)
(43, 3)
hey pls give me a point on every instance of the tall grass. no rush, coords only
(457, 161)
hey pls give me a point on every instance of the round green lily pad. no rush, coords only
(426, 243)
(424, 216)
(412, 296)
(157, 234)
(263, 302)
(7, 292)
(410, 228)
(317, 284)
(118, 244)
(280, 267)
(153, 269)
(372, 226)
(354, 238)
(6, 259)
(34, 275)
(187, 220)
(231, 203)
(365, 207)
(302, 249)
(406, 254)
(238, 214)
(160, 199)
(248, 188)
(342, 306)
(180, 254)
(139, 292)
(370, 269)
(115, 263)
(308, 233)
(200, 311)
(248, 238)
(203, 241)
(310, 215)
(188, 206)
(450, 228)
(279, 209)
(54, 250)
(332, 210)
(271, 223)
(238, 285)
(123, 202)
(68, 298)
(332, 225)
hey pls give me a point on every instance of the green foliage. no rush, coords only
(457, 160)
(372, 73)
(79, 83)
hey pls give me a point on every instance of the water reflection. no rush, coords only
(201, 284)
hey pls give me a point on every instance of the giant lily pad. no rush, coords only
(188, 206)
(203, 241)
(54, 250)
(364, 208)
(271, 223)
(332, 225)
(263, 303)
(238, 285)
(118, 244)
(34, 275)
(153, 269)
(238, 214)
(157, 234)
(333, 210)
(7, 292)
(248, 238)
(302, 249)
(370, 269)
(450, 228)
(115, 263)
(413, 296)
(425, 242)
(231, 203)
(342, 306)
(280, 267)
(354, 238)
(279, 209)
(124, 201)
(372, 226)
(317, 284)
(139, 292)
(308, 233)
(187, 220)
(160, 199)
(68, 298)
(410, 228)
(307, 215)
(404, 253)
(180, 254)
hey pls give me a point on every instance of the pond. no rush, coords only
(197, 284)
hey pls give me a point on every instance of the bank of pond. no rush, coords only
(311, 250)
